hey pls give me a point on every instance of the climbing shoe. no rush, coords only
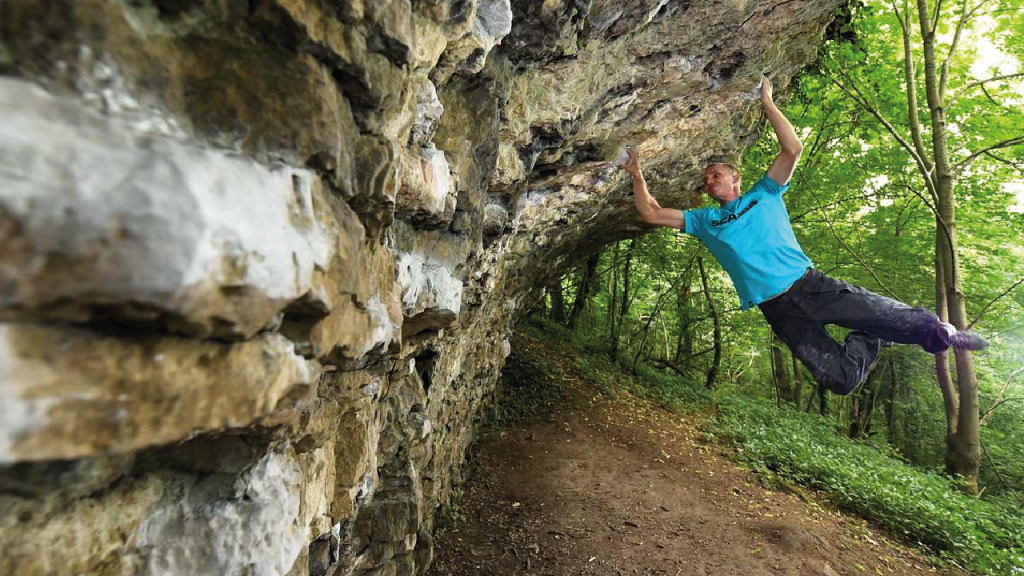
(967, 340)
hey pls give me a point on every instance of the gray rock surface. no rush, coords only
(259, 260)
(107, 214)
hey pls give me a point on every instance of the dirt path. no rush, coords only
(620, 486)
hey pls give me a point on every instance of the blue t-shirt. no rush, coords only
(753, 240)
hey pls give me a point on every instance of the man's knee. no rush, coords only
(842, 387)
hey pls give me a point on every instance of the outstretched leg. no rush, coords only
(831, 301)
(838, 367)
(799, 317)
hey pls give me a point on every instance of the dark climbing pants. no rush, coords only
(800, 314)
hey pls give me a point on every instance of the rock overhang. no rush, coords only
(295, 234)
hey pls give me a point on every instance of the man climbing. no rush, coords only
(753, 240)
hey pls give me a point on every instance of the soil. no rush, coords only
(619, 486)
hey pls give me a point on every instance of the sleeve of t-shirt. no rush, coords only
(770, 186)
(693, 223)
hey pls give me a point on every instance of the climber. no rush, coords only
(753, 240)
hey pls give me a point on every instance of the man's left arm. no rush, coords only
(782, 168)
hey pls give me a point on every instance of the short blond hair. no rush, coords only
(735, 170)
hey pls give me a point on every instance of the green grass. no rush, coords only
(610, 377)
(918, 506)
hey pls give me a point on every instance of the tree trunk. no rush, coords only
(890, 406)
(613, 310)
(654, 314)
(713, 372)
(964, 454)
(798, 383)
(583, 292)
(590, 303)
(684, 338)
(810, 400)
(875, 393)
(942, 373)
(822, 401)
(681, 329)
(626, 278)
(613, 293)
(558, 303)
(863, 406)
(855, 401)
(781, 373)
(964, 448)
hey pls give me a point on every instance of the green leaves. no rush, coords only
(862, 211)
(985, 536)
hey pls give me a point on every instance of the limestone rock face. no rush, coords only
(103, 216)
(258, 260)
(71, 393)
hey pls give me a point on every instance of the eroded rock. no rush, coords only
(259, 261)
(427, 193)
(95, 214)
(71, 393)
(172, 523)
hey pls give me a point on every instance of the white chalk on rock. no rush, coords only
(623, 156)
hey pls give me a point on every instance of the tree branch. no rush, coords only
(997, 298)
(987, 80)
(908, 73)
(854, 254)
(657, 309)
(1004, 144)
(924, 19)
(935, 16)
(1000, 11)
(964, 17)
(1000, 397)
(935, 211)
(974, 11)
(677, 366)
(998, 475)
(1008, 330)
(813, 149)
(921, 162)
(1016, 166)
(836, 203)
(993, 101)
(998, 404)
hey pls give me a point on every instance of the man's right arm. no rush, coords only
(782, 168)
(650, 211)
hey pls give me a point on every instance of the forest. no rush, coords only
(911, 185)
